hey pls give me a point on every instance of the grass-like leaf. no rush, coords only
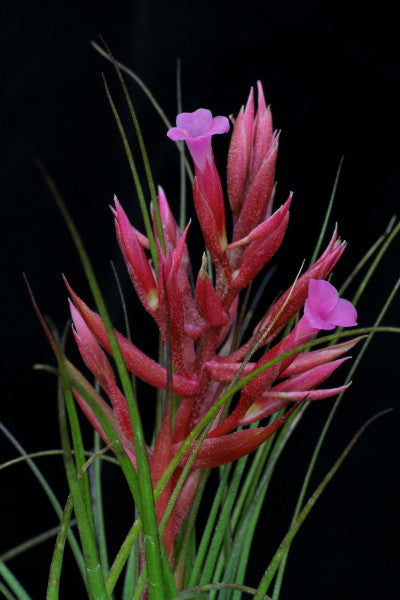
(146, 501)
(223, 521)
(6, 592)
(236, 565)
(53, 585)
(135, 175)
(130, 575)
(77, 455)
(139, 81)
(274, 564)
(51, 496)
(209, 528)
(187, 550)
(45, 453)
(13, 583)
(97, 499)
(385, 246)
(200, 591)
(31, 543)
(327, 214)
(142, 147)
(367, 255)
(149, 95)
(58, 554)
(82, 504)
(123, 555)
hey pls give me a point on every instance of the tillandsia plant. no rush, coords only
(222, 399)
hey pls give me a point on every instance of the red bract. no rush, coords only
(198, 322)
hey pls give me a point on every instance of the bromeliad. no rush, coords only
(198, 321)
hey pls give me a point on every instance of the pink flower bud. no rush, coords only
(208, 300)
(138, 266)
(239, 155)
(169, 292)
(209, 205)
(262, 242)
(169, 224)
(251, 166)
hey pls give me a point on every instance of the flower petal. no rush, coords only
(344, 314)
(323, 296)
(197, 123)
(219, 125)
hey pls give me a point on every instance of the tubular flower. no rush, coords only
(196, 129)
(199, 323)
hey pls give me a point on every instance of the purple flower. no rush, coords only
(324, 309)
(196, 129)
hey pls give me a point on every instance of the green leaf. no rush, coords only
(200, 590)
(44, 453)
(223, 521)
(53, 585)
(145, 502)
(6, 592)
(98, 509)
(31, 543)
(209, 528)
(327, 215)
(149, 95)
(130, 576)
(127, 545)
(13, 583)
(51, 496)
(187, 550)
(82, 504)
(237, 563)
(274, 564)
(123, 555)
(135, 175)
(143, 151)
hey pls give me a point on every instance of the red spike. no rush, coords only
(238, 160)
(307, 361)
(258, 195)
(139, 269)
(270, 403)
(223, 371)
(264, 242)
(208, 300)
(227, 448)
(136, 361)
(170, 226)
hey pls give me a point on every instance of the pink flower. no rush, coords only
(324, 309)
(196, 129)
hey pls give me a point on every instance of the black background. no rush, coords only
(331, 73)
